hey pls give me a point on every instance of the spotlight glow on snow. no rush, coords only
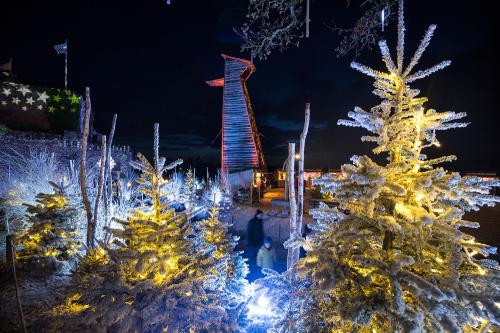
(259, 305)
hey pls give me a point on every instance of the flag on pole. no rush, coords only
(61, 48)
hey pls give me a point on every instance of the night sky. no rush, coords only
(148, 62)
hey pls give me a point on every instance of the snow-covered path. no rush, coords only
(276, 225)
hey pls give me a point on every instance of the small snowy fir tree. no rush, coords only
(230, 278)
(158, 275)
(394, 257)
(50, 240)
(188, 190)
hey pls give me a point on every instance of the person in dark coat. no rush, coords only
(255, 236)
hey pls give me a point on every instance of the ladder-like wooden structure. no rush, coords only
(241, 146)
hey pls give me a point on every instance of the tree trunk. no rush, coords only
(300, 188)
(296, 224)
(156, 181)
(291, 199)
(108, 181)
(387, 242)
(83, 162)
(100, 185)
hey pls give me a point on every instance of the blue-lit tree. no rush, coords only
(231, 269)
(188, 189)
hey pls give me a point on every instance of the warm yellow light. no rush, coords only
(71, 306)
(35, 237)
(419, 196)
(297, 156)
(400, 208)
(437, 144)
(160, 278)
(51, 253)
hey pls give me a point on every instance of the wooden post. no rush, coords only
(100, 185)
(300, 188)
(291, 199)
(83, 162)
(12, 256)
(296, 213)
(284, 169)
(10, 249)
(251, 190)
(108, 179)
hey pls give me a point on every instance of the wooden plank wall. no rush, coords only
(239, 149)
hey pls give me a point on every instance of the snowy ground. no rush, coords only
(36, 294)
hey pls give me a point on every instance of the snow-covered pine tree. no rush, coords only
(188, 189)
(154, 277)
(50, 241)
(398, 259)
(232, 268)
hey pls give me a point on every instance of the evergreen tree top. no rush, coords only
(400, 123)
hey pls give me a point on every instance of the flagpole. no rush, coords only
(66, 66)
(307, 19)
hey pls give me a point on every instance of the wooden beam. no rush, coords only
(293, 203)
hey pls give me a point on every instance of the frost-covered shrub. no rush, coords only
(50, 241)
(23, 177)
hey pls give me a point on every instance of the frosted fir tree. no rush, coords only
(188, 189)
(230, 279)
(394, 257)
(50, 241)
(156, 276)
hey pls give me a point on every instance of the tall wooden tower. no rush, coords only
(241, 148)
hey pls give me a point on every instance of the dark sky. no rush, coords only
(147, 61)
